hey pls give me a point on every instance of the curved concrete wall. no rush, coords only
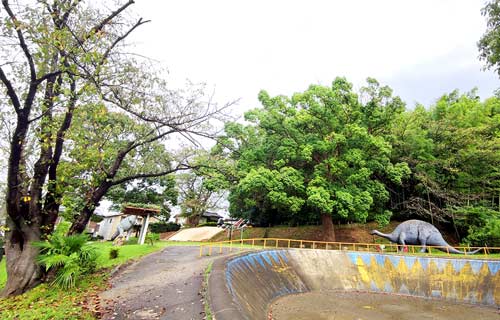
(253, 280)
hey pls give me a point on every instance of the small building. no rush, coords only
(210, 217)
(207, 216)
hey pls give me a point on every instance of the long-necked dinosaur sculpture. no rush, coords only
(417, 232)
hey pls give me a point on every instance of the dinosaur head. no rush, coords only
(373, 232)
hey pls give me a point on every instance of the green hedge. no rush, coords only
(161, 227)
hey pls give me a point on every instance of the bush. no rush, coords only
(152, 237)
(131, 240)
(161, 227)
(208, 224)
(114, 253)
(69, 257)
(487, 234)
(482, 225)
(62, 228)
(96, 218)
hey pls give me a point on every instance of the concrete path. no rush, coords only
(163, 285)
(196, 234)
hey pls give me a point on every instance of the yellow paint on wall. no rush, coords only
(462, 285)
(363, 271)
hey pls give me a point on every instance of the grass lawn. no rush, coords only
(47, 302)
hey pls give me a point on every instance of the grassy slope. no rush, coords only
(344, 233)
(350, 233)
(46, 302)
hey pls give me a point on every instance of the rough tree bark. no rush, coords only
(23, 273)
(328, 231)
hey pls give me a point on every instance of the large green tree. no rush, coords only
(319, 155)
(489, 44)
(159, 191)
(453, 151)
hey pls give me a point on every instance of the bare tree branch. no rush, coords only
(179, 167)
(108, 19)
(22, 41)
(10, 91)
(120, 38)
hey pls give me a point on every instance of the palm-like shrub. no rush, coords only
(69, 257)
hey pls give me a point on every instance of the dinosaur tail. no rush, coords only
(450, 249)
(116, 234)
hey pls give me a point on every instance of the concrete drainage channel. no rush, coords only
(243, 287)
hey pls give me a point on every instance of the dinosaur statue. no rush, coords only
(417, 232)
(126, 225)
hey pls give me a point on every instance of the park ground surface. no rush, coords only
(164, 285)
(373, 306)
(82, 302)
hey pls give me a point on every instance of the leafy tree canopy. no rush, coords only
(323, 151)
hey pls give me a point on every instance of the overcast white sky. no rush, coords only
(421, 49)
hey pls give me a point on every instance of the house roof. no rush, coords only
(110, 214)
(206, 214)
(211, 214)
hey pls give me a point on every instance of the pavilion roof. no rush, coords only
(140, 211)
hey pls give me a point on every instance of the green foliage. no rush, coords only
(323, 151)
(140, 205)
(452, 150)
(96, 218)
(131, 240)
(200, 191)
(152, 237)
(157, 193)
(489, 47)
(161, 227)
(92, 157)
(62, 228)
(70, 257)
(383, 218)
(114, 253)
(361, 158)
(482, 224)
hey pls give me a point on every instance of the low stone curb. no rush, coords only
(221, 301)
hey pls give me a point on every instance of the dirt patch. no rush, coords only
(361, 306)
(167, 235)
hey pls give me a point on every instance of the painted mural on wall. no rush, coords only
(472, 281)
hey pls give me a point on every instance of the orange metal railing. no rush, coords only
(266, 243)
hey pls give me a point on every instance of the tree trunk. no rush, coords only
(81, 221)
(193, 220)
(23, 273)
(328, 231)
